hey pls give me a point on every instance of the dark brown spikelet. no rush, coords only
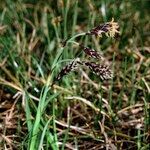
(103, 71)
(67, 69)
(100, 28)
(109, 28)
(91, 52)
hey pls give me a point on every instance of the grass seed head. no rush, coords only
(92, 53)
(103, 71)
(110, 29)
(68, 68)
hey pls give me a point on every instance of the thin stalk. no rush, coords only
(75, 17)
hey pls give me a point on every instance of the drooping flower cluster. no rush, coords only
(102, 70)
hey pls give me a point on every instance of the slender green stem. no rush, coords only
(78, 35)
(76, 43)
(75, 17)
(65, 18)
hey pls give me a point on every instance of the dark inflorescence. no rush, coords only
(102, 70)
(91, 52)
(110, 29)
(67, 69)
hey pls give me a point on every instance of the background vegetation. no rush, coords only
(81, 111)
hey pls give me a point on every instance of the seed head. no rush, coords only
(92, 53)
(110, 29)
(68, 68)
(103, 71)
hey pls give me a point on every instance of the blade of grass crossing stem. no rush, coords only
(50, 139)
(38, 118)
(49, 136)
(43, 134)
